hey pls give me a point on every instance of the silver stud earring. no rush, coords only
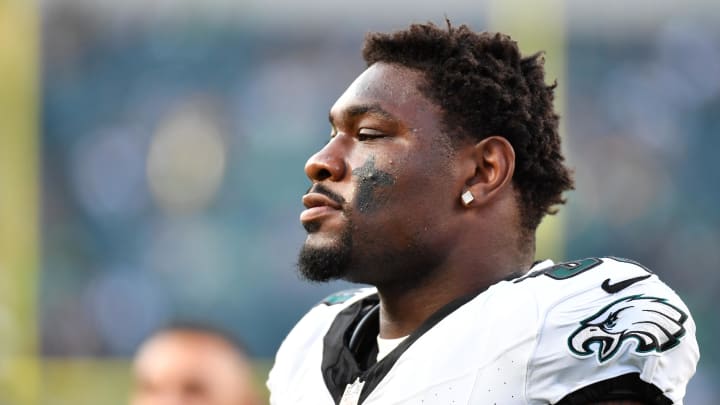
(467, 197)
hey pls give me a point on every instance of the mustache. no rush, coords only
(320, 189)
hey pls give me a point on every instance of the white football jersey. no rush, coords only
(560, 334)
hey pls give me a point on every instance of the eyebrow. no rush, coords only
(362, 109)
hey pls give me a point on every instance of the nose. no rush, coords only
(327, 163)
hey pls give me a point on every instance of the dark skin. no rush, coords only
(400, 179)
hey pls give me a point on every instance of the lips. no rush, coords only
(318, 205)
(312, 200)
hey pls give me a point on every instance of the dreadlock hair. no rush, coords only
(485, 87)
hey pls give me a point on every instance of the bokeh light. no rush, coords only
(186, 160)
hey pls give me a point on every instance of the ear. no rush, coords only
(494, 164)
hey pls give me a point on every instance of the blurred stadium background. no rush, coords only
(151, 157)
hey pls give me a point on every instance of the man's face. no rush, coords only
(383, 187)
(190, 368)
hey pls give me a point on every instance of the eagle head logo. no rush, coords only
(651, 321)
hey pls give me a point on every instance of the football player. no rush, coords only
(443, 157)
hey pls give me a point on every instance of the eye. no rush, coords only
(365, 134)
(611, 321)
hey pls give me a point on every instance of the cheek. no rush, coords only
(374, 186)
(413, 179)
(425, 195)
(373, 193)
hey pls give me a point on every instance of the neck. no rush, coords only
(403, 308)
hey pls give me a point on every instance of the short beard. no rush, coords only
(326, 264)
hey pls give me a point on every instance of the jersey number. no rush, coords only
(564, 271)
(571, 269)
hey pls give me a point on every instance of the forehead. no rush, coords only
(393, 88)
(184, 351)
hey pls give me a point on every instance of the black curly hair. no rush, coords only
(486, 87)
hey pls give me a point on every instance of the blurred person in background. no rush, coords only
(443, 157)
(192, 365)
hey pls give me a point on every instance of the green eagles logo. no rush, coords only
(653, 323)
